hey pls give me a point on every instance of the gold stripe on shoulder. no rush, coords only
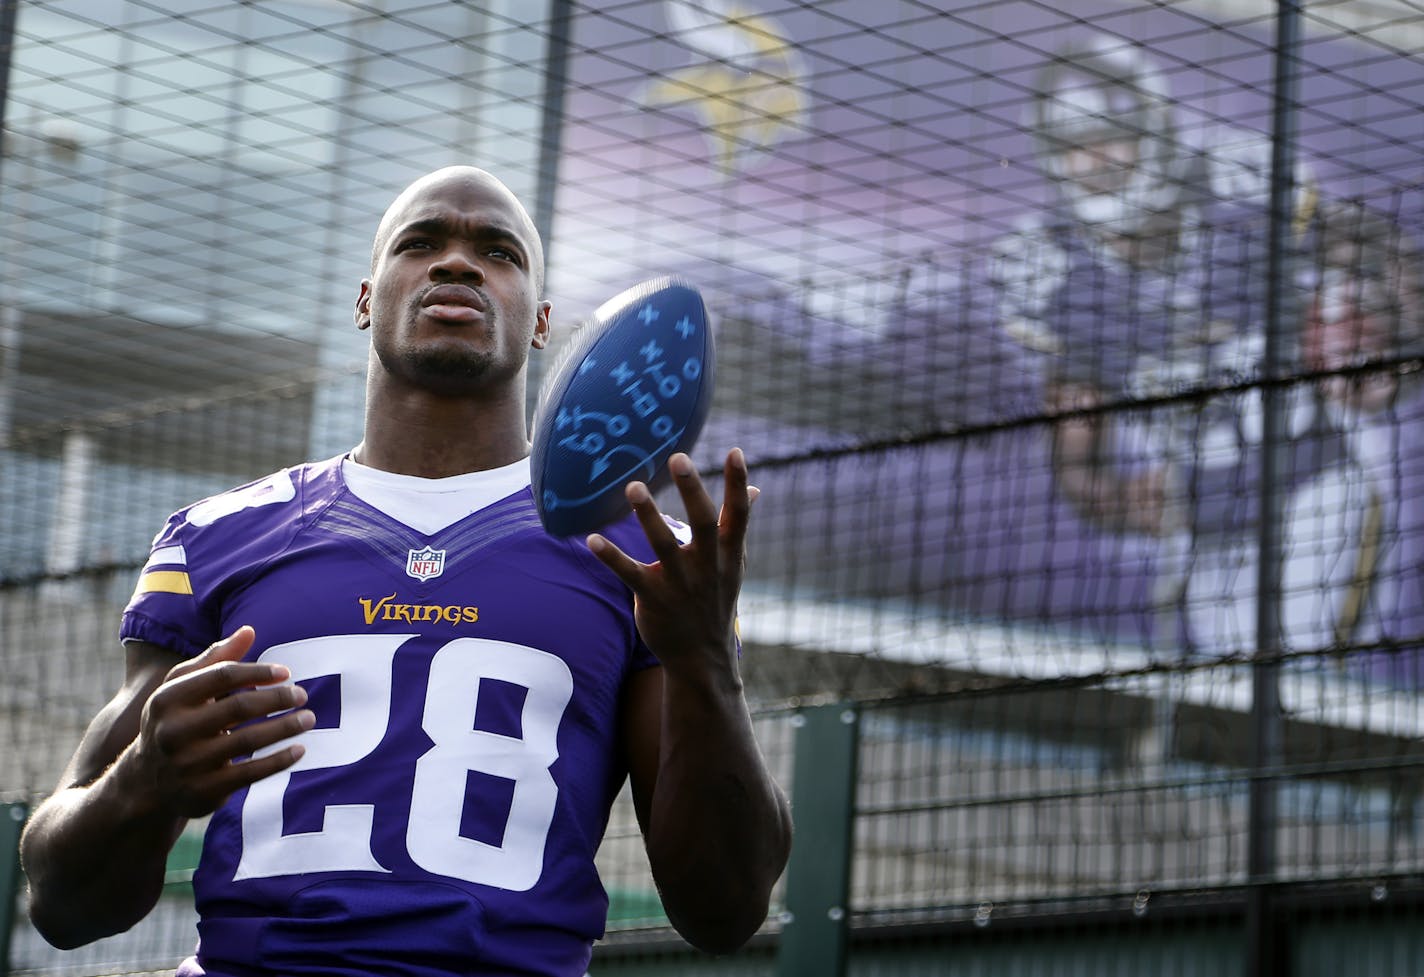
(164, 582)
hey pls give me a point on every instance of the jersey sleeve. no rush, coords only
(200, 554)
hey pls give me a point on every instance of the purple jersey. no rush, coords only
(457, 784)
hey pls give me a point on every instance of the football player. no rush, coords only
(1144, 284)
(405, 706)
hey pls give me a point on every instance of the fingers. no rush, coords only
(225, 779)
(701, 517)
(252, 739)
(626, 568)
(736, 493)
(218, 671)
(189, 722)
(231, 648)
(660, 535)
(209, 728)
(199, 783)
(712, 529)
(701, 512)
(193, 756)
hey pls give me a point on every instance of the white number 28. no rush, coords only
(433, 840)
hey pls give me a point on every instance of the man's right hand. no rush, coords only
(208, 716)
(172, 744)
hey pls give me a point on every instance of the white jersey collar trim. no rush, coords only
(429, 505)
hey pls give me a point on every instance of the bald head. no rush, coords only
(409, 201)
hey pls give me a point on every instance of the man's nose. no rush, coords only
(457, 262)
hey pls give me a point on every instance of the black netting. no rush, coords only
(1075, 348)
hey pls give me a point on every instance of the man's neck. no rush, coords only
(442, 439)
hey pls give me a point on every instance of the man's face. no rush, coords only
(1352, 320)
(1103, 167)
(452, 301)
(1097, 177)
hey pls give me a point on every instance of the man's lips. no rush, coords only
(454, 303)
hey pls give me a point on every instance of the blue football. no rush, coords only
(633, 388)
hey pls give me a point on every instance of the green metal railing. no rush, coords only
(12, 819)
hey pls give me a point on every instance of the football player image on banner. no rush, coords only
(1142, 285)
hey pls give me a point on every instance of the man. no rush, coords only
(1363, 336)
(1145, 284)
(406, 707)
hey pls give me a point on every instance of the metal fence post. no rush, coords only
(12, 819)
(813, 937)
(1264, 951)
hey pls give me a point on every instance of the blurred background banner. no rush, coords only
(1077, 353)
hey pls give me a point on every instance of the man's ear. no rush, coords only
(541, 326)
(363, 305)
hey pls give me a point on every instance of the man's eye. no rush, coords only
(504, 254)
(418, 243)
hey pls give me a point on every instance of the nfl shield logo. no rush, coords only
(426, 563)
